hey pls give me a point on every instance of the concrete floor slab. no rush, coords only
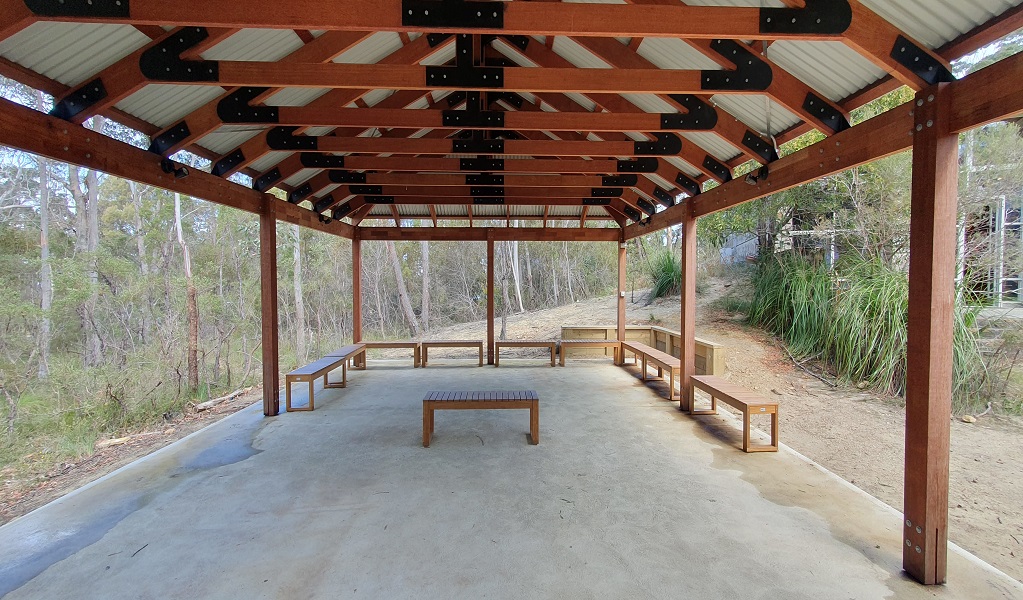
(625, 497)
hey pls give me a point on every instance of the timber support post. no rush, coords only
(356, 288)
(687, 330)
(490, 300)
(622, 266)
(932, 260)
(268, 305)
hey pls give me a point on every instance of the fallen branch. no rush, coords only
(805, 370)
(101, 444)
(986, 410)
(211, 403)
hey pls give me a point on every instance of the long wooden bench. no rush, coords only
(662, 360)
(321, 368)
(606, 344)
(427, 344)
(416, 348)
(549, 344)
(481, 400)
(749, 403)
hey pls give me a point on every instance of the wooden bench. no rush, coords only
(426, 345)
(321, 368)
(550, 344)
(481, 400)
(662, 360)
(569, 344)
(414, 346)
(749, 403)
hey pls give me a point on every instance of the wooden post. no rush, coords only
(932, 261)
(621, 289)
(687, 341)
(356, 288)
(268, 305)
(490, 301)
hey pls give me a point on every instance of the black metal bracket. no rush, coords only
(510, 98)
(920, 63)
(345, 177)
(80, 99)
(762, 148)
(465, 77)
(632, 213)
(481, 164)
(484, 179)
(667, 144)
(596, 202)
(619, 180)
(266, 180)
(646, 206)
(490, 119)
(606, 192)
(436, 39)
(477, 147)
(324, 203)
(751, 72)
(284, 138)
(236, 107)
(688, 185)
(228, 163)
(163, 61)
(519, 41)
(366, 190)
(434, 14)
(826, 113)
(379, 199)
(639, 165)
(342, 211)
(491, 200)
(663, 197)
(485, 192)
(318, 160)
(700, 116)
(79, 8)
(162, 143)
(828, 17)
(300, 193)
(720, 171)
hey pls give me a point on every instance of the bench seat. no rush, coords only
(477, 400)
(550, 344)
(747, 402)
(427, 344)
(416, 348)
(321, 368)
(662, 360)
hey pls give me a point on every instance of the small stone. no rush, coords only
(169, 431)
(775, 391)
(862, 385)
(969, 419)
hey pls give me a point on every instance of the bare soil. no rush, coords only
(855, 433)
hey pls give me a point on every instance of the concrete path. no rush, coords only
(625, 497)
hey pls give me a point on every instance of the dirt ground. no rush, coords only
(856, 434)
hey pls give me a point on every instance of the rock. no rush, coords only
(969, 419)
(169, 431)
(862, 385)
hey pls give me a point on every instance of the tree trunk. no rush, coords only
(300, 328)
(567, 265)
(425, 312)
(529, 277)
(406, 303)
(45, 269)
(506, 308)
(516, 273)
(87, 240)
(192, 308)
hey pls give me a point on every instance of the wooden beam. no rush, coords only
(600, 166)
(472, 180)
(357, 289)
(932, 265)
(268, 305)
(490, 300)
(521, 18)
(424, 215)
(877, 39)
(38, 133)
(687, 339)
(481, 234)
(14, 17)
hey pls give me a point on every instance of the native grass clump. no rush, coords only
(853, 320)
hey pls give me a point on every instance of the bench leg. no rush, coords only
(481, 356)
(534, 422)
(427, 424)
(642, 373)
(774, 431)
(671, 386)
(660, 372)
(745, 430)
(287, 395)
(561, 356)
(422, 358)
(552, 355)
(415, 357)
(312, 385)
(497, 358)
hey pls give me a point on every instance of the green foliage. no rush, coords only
(854, 321)
(665, 270)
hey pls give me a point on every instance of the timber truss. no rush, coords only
(554, 116)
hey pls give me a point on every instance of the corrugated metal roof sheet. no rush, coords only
(525, 210)
(669, 53)
(165, 104)
(935, 22)
(683, 166)
(267, 162)
(296, 96)
(831, 68)
(256, 45)
(714, 144)
(577, 55)
(228, 137)
(450, 210)
(565, 211)
(71, 53)
(753, 111)
(371, 49)
(301, 177)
